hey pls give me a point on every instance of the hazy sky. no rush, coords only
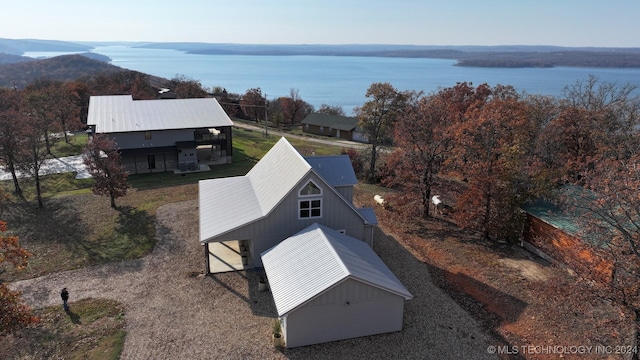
(611, 23)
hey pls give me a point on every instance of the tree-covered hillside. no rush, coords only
(62, 68)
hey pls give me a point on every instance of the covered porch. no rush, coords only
(227, 256)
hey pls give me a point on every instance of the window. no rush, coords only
(310, 208)
(310, 201)
(147, 135)
(310, 189)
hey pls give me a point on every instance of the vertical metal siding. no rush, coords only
(283, 221)
(329, 318)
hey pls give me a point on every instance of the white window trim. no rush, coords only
(309, 200)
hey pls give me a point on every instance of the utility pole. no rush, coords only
(266, 131)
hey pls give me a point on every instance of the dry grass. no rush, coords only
(173, 313)
(519, 299)
(92, 329)
(76, 231)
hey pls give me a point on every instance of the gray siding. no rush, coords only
(328, 317)
(283, 221)
(346, 191)
(136, 140)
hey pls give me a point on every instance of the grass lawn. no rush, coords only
(92, 329)
(77, 229)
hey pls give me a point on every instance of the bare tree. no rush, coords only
(331, 110)
(103, 160)
(11, 133)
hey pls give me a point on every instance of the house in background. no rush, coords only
(281, 195)
(329, 286)
(337, 126)
(554, 234)
(164, 135)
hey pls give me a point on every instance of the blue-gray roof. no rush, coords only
(336, 170)
(318, 258)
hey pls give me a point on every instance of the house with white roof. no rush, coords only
(295, 217)
(281, 195)
(329, 286)
(164, 135)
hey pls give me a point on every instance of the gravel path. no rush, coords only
(171, 313)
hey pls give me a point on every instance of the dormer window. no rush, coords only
(310, 201)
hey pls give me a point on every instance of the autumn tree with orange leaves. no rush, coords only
(492, 149)
(294, 109)
(14, 314)
(423, 138)
(253, 103)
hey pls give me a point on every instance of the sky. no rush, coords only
(600, 23)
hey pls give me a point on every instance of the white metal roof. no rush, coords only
(279, 170)
(250, 197)
(316, 259)
(120, 113)
(336, 170)
(226, 204)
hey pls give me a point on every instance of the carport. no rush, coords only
(227, 256)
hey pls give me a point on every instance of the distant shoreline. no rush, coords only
(466, 56)
(503, 56)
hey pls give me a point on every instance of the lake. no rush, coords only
(343, 81)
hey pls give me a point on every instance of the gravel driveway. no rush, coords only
(171, 313)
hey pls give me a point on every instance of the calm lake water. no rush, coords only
(343, 81)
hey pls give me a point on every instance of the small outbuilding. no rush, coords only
(329, 286)
(343, 127)
(555, 235)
